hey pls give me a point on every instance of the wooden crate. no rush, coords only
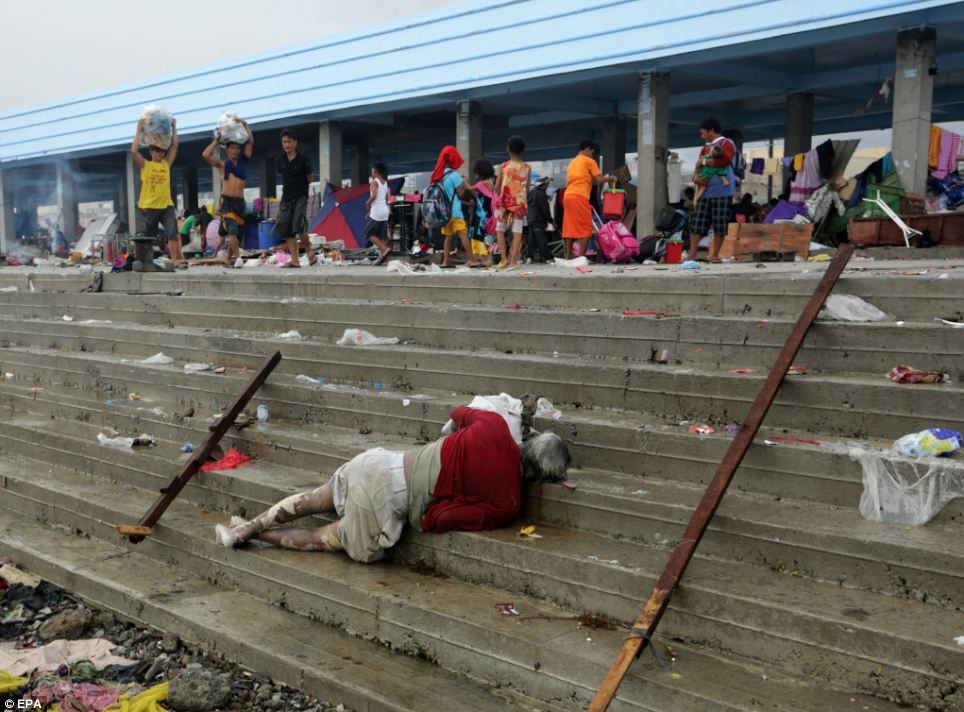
(944, 228)
(747, 238)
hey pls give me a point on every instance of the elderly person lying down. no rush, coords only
(469, 480)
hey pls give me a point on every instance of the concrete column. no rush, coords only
(652, 130)
(329, 153)
(798, 131)
(269, 177)
(468, 133)
(216, 185)
(360, 166)
(613, 143)
(67, 198)
(189, 187)
(129, 212)
(913, 94)
(8, 222)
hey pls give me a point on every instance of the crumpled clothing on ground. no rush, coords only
(232, 458)
(10, 682)
(49, 657)
(131, 701)
(75, 696)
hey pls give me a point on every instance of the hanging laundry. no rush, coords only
(825, 153)
(773, 166)
(757, 166)
(950, 144)
(934, 147)
(807, 180)
(798, 161)
(871, 174)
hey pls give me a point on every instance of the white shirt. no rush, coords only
(379, 209)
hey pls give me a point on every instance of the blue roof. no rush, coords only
(438, 57)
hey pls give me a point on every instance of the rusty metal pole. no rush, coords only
(652, 612)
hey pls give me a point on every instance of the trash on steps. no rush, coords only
(232, 459)
(908, 374)
(360, 337)
(932, 442)
(847, 307)
(123, 443)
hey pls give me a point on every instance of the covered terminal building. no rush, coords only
(632, 75)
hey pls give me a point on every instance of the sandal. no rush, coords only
(502, 265)
(476, 265)
(291, 265)
(382, 258)
(447, 266)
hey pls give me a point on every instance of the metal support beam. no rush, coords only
(360, 165)
(129, 211)
(67, 197)
(468, 133)
(913, 95)
(641, 633)
(613, 143)
(798, 134)
(329, 153)
(652, 136)
(8, 222)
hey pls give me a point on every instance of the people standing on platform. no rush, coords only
(155, 201)
(582, 174)
(296, 176)
(512, 190)
(376, 229)
(539, 218)
(234, 177)
(713, 208)
(446, 173)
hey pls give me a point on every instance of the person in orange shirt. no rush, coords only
(583, 172)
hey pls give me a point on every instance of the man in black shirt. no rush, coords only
(295, 170)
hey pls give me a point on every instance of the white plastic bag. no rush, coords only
(903, 490)
(158, 359)
(230, 129)
(157, 130)
(360, 337)
(290, 336)
(545, 409)
(847, 307)
(505, 405)
(582, 261)
(198, 367)
(125, 443)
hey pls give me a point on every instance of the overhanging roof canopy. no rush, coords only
(550, 67)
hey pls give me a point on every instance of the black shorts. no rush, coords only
(712, 213)
(292, 219)
(160, 216)
(376, 228)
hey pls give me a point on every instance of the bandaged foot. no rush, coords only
(224, 536)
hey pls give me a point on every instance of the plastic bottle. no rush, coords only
(262, 413)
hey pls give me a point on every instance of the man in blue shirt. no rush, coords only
(713, 208)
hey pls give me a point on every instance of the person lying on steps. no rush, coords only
(469, 480)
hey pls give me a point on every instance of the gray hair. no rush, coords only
(545, 458)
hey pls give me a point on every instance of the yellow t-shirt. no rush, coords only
(155, 186)
(579, 176)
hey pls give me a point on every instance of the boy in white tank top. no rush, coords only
(376, 229)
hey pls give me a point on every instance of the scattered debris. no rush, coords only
(959, 640)
(12, 575)
(546, 409)
(791, 439)
(122, 443)
(8, 289)
(583, 270)
(198, 367)
(955, 323)
(731, 427)
(507, 610)
(232, 459)
(614, 562)
(529, 532)
(574, 263)
(262, 413)
(292, 335)
(67, 317)
(932, 442)
(797, 371)
(310, 379)
(158, 359)
(360, 337)
(598, 621)
(908, 374)
(187, 447)
(743, 371)
(847, 307)
(690, 264)
(47, 658)
(180, 417)
(702, 429)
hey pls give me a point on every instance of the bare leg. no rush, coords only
(447, 250)
(583, 245)
(306, 244)
(287, 510)
(503, 252)
(234, 250)
(467, 246)
(516, 248)
(293, 251)
(694, 245)
(320, 539)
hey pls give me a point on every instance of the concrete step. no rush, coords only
(710, 342)
(304, 653)
(442, 619)
(794, 536)
(848, 405)
(621, 442)
(728, 606)
(778, 291)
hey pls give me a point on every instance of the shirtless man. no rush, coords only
(234, 176)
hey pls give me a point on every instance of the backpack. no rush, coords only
(436, 206)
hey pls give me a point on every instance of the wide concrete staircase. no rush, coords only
(794, 602)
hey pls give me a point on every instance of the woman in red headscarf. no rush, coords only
(455, 188)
